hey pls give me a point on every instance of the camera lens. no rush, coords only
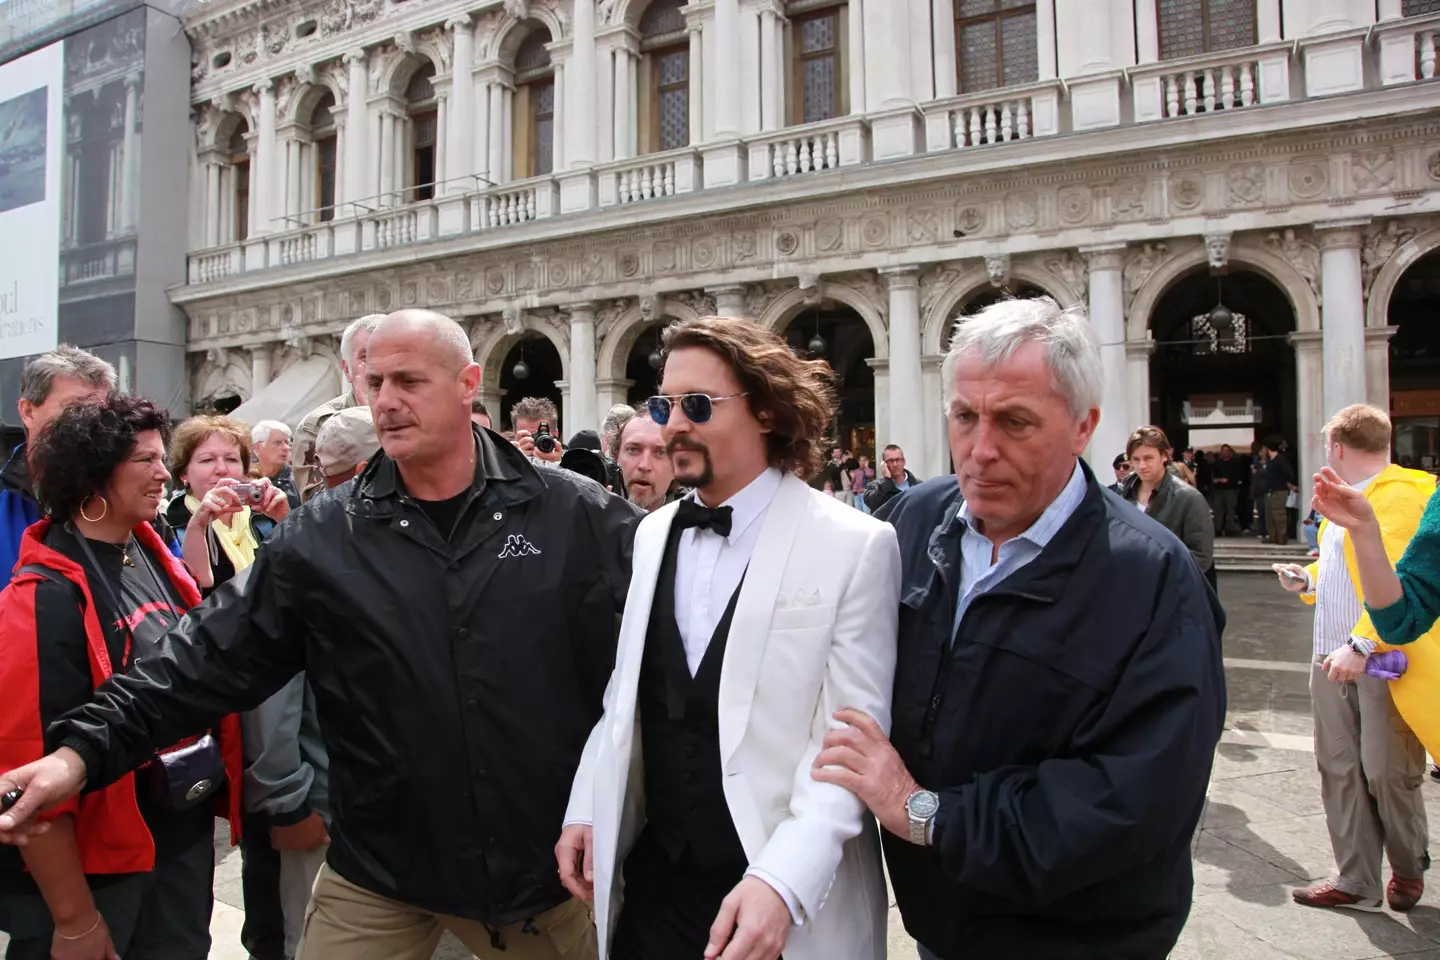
(545, 443)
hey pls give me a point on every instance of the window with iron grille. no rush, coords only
(240, 180)
(995, 44)
(817, 39)
(665, 43)
(325, 154)
(1418, 8)
(1192, 27)
(423, 134)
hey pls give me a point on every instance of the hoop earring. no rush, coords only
(103, 513)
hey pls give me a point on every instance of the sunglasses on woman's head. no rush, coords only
(698, 407)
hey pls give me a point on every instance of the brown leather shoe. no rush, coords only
(1327, 895)
(1404, 894)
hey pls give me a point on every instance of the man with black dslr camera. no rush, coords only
(536, 423)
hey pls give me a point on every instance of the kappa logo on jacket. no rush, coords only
(518, 546)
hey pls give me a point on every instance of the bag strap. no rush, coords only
(54, 576)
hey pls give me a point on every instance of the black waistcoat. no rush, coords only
(680, 736)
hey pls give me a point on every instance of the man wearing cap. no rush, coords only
(345, 445)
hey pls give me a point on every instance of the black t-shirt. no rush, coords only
(445, 513)
(151, 606)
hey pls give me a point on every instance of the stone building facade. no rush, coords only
(566, 176)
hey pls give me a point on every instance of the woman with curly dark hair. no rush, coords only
(127, 869)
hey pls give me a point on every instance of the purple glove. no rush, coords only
(1386, 666)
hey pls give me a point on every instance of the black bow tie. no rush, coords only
(693, 514)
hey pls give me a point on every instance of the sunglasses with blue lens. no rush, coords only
(697, 406)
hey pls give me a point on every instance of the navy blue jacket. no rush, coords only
(18, 510)
(1069, 731)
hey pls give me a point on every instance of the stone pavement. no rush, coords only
(1263, 832)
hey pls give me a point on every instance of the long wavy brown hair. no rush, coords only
(794, 397)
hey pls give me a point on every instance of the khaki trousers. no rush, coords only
(1277, 521)
(1371, 769)
(345, 922)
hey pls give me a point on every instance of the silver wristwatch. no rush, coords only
(921, 806)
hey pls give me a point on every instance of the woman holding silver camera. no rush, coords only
(223, 515)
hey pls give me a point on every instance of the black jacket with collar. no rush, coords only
(882, 491)
(1069, 731)
(456, 682)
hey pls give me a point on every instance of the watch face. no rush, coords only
(922, 804)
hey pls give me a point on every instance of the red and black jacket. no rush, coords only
(111, 831)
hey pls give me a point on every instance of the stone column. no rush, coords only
(1107, 317)
(264, 192)
(773, 90)
(932, 416)
(387, 157)
(293, 205)
(459, 137)
(356, 146)
(1309, 377)
(213, 207)
(729, 300)
(1377, 365)
(580, 138)
(481, 134)
(559, 139)
(442, 140)
(1137, 364)
(610, 392)
(907, 426)
(624, 105)
(130, 155)
(583, 414)
(881, 368)
(1048, 66)
(727, 51)
(1267, 19)
(697, 85)
(857, 58)
(607, 105)
(259, 368)
(499, 141)
(1343, 313)
(942, 33)
(749, 67)
(1147, 32)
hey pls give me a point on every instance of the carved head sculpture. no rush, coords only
(1217, 248)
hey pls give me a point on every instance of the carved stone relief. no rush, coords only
(933, 282)
(1072, 268)
(1373, 171)
(1245, 185)
(1379, 246)
(1301, 254)
(1138, 268)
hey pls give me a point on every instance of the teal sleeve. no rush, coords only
(1412, 616)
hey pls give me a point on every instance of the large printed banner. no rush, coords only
(31, 147)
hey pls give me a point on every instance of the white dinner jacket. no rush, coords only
(813, 631)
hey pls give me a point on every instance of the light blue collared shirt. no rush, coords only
(978, 574)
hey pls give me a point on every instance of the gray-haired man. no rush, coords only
(51, 382)
(1059, 690)
(354, 343)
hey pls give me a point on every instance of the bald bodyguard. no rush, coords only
(456, 610)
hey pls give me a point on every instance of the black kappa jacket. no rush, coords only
(1069, 731)
(455, 682)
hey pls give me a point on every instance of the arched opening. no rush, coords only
(1223, 371)
(422, 110)
(642, 366)
(1415, 365)
(838, 335)
(534, 111)
(325, 144)
(542, 367)
(664, 77)
(985, 297)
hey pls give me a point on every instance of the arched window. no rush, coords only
(665, 76)
(240, 184)
(323, 135)
(995, 43)
(1191, 27)
(534, 106)
(424, 121)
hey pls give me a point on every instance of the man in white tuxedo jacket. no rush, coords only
(758, 608)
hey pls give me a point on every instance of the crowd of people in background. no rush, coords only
(313, 634)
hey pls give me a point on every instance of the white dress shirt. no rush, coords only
(708, 569)
(1337, 605)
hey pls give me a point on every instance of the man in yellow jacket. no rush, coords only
(1371, 761)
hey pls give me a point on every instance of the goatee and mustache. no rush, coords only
(707, 471)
